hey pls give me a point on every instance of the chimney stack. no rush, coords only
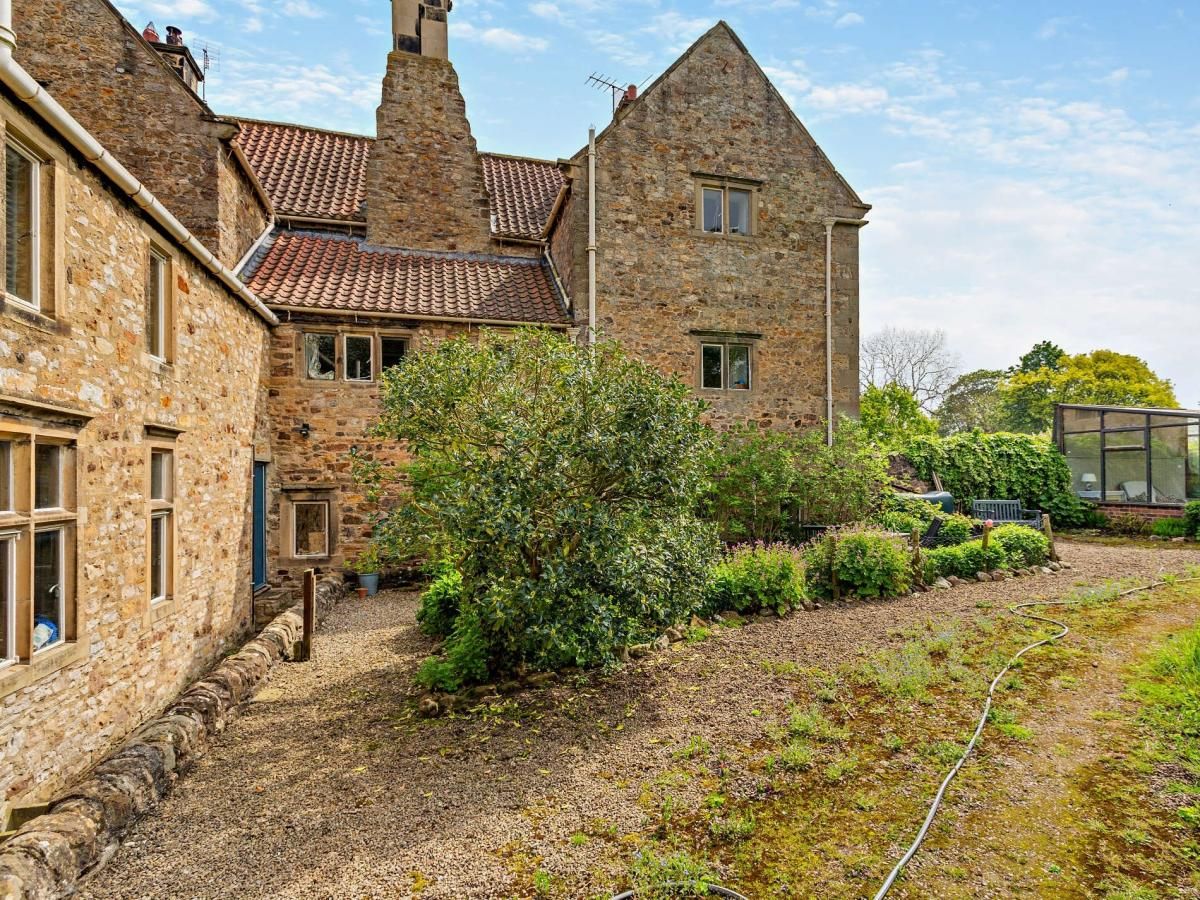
(419, 27)
(150, 32)
(174, 36)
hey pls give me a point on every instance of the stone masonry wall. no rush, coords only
(242, 218)
(119, 88)
(338, 414)
(661, 278)
(425, 186)
(130, 661)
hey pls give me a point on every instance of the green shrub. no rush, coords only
(976, 466)
(566, 478)
(1191, 516)
(465, 657)
(964, 560)
(956, 529)
(440, 604)
(1129, 525)
(750, 578)
(1171, 528)
(908, 514)
(1023, 546)
(867, 564)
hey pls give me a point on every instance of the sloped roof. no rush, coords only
(316, 174)
(340, 273)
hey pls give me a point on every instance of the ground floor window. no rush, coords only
(725, 367)
(310, 528)
(392, 352)
(49, 588)
(161, 510)
(354, 357)
(320, 362)
(8, 590)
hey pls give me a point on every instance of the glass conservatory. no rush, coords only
(1142, 457)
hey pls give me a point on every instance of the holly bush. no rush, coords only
(561, 483)
(977, 466)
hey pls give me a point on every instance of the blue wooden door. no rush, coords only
(260, 525)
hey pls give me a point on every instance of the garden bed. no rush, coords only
(331, 784)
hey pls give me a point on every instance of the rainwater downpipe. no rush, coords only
(829, 226)
(591, 249)
(30, 92)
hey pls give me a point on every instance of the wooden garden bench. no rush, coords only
(1006, 512)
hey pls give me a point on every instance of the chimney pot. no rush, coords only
(150, 32)
(174, 36)
(631, 92)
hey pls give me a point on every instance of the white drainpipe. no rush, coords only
(32, 93)
(829, 225)
(591, 249)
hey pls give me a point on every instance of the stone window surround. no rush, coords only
(724, 184)
(298, 494)
(339, 334)
(50, 273)
(157, 253)
(162, 439)
(725, 340)
(19, 526)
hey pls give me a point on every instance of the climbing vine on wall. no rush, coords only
(978, 466)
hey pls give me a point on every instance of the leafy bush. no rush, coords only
(1023, 546)
(956, 529)
(1191, 516)
(866, 564)
(1128, 525)
(1171, 528)
(908, 514)
(750, 578)
(564, 479)
(763, 483)
(440, 604)
(964, 560)
(976, 466)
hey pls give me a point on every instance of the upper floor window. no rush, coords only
(726, 208)
(22, 215)
(725, 367)
(158, 307)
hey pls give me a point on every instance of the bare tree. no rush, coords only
(918, 361)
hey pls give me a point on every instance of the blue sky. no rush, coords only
(1034, 167)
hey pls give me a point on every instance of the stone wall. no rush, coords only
(60, 716)
(662, 280)
(425, 186)
(242, 216)
(99, 68)
(338, 414)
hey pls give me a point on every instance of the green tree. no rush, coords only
(561, 480)
(1102, 377)
(1044, 355)
(891, 415)
(973, 402)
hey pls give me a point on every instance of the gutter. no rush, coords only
(31, 93)
(372, 314)
(829, 226)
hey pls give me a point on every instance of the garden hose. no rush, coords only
(1016, 610)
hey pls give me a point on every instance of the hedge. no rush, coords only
(977, 466)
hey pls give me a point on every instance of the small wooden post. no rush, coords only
(987, 537)
(310, 614)
(1048, 530)
(918, 569)
(837, 588)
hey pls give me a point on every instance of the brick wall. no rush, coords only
(424, 179)
(661, 278)
(118, 87)
(130, 660)
(1149, 513)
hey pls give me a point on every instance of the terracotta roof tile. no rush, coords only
(317, 174)
(306, 172)
(523, 193)
(317, 271)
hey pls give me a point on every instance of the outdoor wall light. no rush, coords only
(305, 430)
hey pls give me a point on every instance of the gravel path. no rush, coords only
(329, 786)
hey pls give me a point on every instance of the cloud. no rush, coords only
(1052, 28)
(847, 98)
(498, 38)
(1115, 77)
(549, 11)
(182, 10)
(675, 31)
(849, 20)
(301, 9)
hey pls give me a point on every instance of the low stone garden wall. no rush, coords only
(81, 829)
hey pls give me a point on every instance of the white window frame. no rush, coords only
(705, 346)
(726, 368)
(35, 231)
(161, 516)
(723, 186)
(307, 376)
(729, 386)
(163, 263)
(296, 504)
(346, 338)
(61, 585)
(161, 522)
(8, 596)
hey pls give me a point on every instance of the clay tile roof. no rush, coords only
(307, 172)
(315, 271)
(523, 193)
(315, 174)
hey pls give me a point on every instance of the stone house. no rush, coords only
(202, 386)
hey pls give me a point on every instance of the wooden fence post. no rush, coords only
(837, 588)
(310, 615)
(987, 538)
(918, 569)
(1048, 529)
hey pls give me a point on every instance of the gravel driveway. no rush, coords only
(329, 786)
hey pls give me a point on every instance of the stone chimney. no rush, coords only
(424, 177)
(175, 52)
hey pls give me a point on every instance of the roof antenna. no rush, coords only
(604, 83)
(211, 60)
